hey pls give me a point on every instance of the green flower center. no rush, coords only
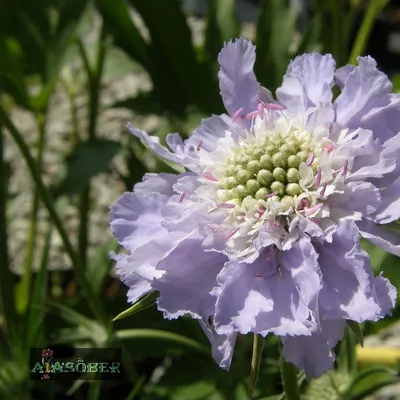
(269, 166)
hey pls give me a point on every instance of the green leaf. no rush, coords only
(330, 386)
(12, 80)
(360, 43)
(275, 33)
(311, 40)
(143, 104)
(222, 25)
(181, 76)
(99, 266)
(369, 381)
(145, 302)
(119, 24)
(87, 160)
(356, 329)
(37, 309)
(393, 226)
(84, 330)
(154, 335)
(347, 358)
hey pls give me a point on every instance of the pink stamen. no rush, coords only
(226, 205)
(274, 224)
(260, 110)
(346, 163)
(216, 228)
(271, 106)
(207, 175)
(229, 235)
(274, 107)
(319, 174)
(322, 192)
(267, 196)
(330, 127)
(304, 203)
(238, 114)
(251, 115)
(199, 145)
(330, 148)
(312, 210)
(310, 159)
(258, 276)
(183, 195)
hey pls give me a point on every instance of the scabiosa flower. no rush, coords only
(261, 233)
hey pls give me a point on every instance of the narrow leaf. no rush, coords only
(145, 302)
(86, 161)
(153, 334)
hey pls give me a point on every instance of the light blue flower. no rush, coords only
(262, 233)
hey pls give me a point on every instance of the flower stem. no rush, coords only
(258, 345)
(6, 281)
(289, 381)
(94, 80)
(24, 287)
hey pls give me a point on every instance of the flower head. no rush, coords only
(262, 233)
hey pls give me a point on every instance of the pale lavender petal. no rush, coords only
(250, 295)
(307, 83)
(366, 101)
(313, 354)
(135, 219)
(383, 238)
(222, 346)
(389, 209)
(206, 136)
(138, 286)
(190, 275)
(342, 73)
(156, 183)
(357, 200)
(366, 156)
(391, 152)
(349, 290)
(237, 82)
(153, 143)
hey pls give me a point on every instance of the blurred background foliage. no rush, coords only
(72, 73)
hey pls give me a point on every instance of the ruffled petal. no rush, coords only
(135, 219)
(313, 354)
(366, 101)
(366, 158)
(260, 298)
(357, 200)
(349, 285)
(190, 275)
(153, 143)
(237, 82)
(389, 210)
(383, 238)
(157, 183)
(391, 152)
(307, 83)
(222, 346)
(342, 73)
(138, 286)
(206, 136)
